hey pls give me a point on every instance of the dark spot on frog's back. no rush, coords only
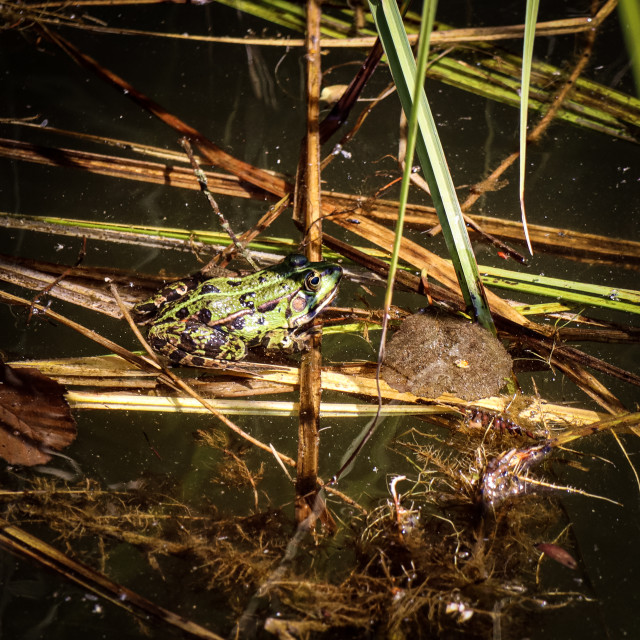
(158, 343)
(172, 294)
(234, 283)
(209, 288)
(182, 313)
(197, 361)
(177, 355)
(145, 309)
(216, 340)
(204, 316)
(237, 323)
(246, 299)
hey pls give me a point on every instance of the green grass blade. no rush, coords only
(432, 158)
(428, 13)
(495, 75)
(527, 54)
(630, 21)
(583, 293)
(288, 14)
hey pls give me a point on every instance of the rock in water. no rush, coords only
(434, 353)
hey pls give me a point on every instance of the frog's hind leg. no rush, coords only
(194, 344)
(148, 309)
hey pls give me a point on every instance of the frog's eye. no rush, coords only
(312, 281)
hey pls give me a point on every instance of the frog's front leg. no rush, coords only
(195, 344)
(286, 340)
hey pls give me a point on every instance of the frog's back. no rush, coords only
(220, 300)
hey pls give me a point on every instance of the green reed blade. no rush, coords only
(630, 21)
(594, 295)
(431, 155)
(495, 75)
(428, 13)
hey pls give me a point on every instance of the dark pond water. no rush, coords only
(250, 101)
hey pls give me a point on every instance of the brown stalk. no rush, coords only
(565, 242)
(340, 111)
(572, 363)
(579, 358)
(26, 545)
(214, 154)
(568, 243)
(307, 200)
(248, 236)
(590, 385)
(222, 219)
(610, 334)
(447, 36)
(438, 268)
(629, 420)
(128, 168)
(63, 287)
(404, 280)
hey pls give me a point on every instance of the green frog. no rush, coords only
(197, 322)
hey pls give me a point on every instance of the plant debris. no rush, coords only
(34, 416)
(434, 353)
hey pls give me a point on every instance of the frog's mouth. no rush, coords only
(330, 298)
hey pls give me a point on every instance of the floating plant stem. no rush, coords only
(578, 292)
(172, 404)
(529, 36)
(204, 187)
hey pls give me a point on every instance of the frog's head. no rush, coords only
(317, 287)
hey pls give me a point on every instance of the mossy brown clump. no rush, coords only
(229, 555)
(433, 353)
(432, 561)
(453, 568)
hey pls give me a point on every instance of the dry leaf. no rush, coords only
(34, 416)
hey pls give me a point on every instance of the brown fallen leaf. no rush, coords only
(34, 416)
